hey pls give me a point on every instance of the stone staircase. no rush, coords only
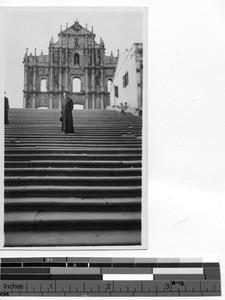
(81, 189)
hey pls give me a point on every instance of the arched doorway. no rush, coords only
(43, 85)
(76, 85)
(109, 83)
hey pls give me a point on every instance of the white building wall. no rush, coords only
(130, 94)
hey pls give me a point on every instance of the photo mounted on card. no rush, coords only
(75, 127)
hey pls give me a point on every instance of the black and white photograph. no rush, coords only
(112, 148)
(74, 99)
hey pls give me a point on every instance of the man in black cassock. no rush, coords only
(6, 105)
(67, 117)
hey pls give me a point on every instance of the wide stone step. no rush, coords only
(64, 150)
(71, 191)
(70, 157)
(73, 172)
(73, 136)
(121, 139)
(72, 238)
(73, 204)
(72, 181)
(94, 126)
(79, 121)
(66, 221)
(73, 164)
(129, 140)
(70, 145)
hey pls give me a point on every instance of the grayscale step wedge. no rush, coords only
(81, 189)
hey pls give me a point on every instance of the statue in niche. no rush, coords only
(90, 57)
(30, 58)
(76, 59)
(70, 57)
(97, 58)
(76, 42)
(99, 55)
(30, 75)
(97, 79)
(55, 76)
(64, 57)
(56, 56)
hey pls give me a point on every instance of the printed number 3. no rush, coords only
(167, 286)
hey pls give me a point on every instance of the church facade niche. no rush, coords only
(76, 59)
(75, 63)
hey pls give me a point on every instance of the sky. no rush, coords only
(32, 27)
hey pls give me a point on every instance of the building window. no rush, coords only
(76, 59)
(116, 91)
(125, 80)
(76, 85)
(109, 83)
(43, 85)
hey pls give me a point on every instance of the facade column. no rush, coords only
(93, 88)
(102, 80)
(34, 79)
(102, 88)
(86, 102)
(35, 70)
(60, 101)
(60, 79)
(51, 70)
(93, 101)
(50, 101)
(86, 80)
(102, 102)
(25, 79)
(60, 64)
(25, 87)
(93, 57)
(24, 99)
(33, 101)
(67, 69)
(86, 40)
(86, 86)
(93, 80)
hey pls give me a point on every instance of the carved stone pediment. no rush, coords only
(76, 27)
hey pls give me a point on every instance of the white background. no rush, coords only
(186, 130)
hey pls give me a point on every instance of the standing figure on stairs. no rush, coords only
(122, 107)
(6, 106)
(67, 117)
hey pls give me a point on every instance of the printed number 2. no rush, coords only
(108, 286)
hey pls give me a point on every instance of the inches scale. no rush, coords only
(83, 276)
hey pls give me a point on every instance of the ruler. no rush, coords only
(85, 276)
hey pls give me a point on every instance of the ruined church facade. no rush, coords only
(75, 63)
